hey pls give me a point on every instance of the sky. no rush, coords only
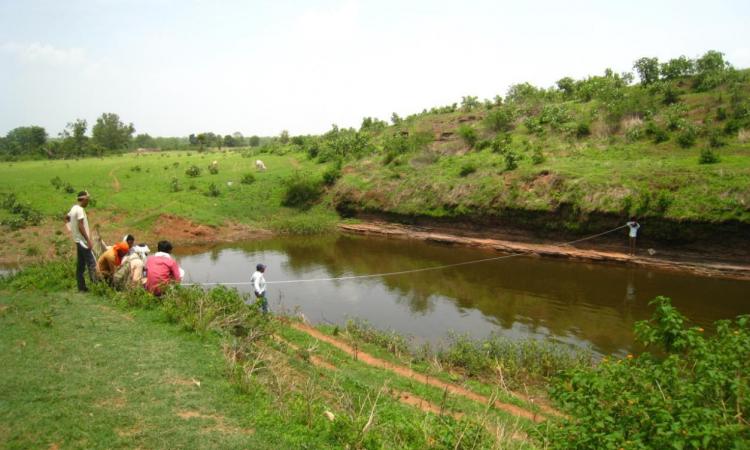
(175, 67)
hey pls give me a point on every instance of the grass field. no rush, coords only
(140, 188)
(114, 370)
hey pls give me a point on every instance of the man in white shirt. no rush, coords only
(259, 286)
(78, 224)
(634, 226)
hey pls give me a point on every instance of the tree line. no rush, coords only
(109, 135)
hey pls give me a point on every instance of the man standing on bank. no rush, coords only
(633, 233)
(259, 286)
(78, 224)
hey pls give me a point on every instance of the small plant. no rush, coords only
(715, 139)
(135, 168)
(247, 178)
(708, 156)
(687, 137)
(467, 169)
(192, 186)
(174, 185)
(331, 175)
(511, 160)
(57, 183)
(33, 250)
(193, 171)
(468, 134)
(500, 119)
(69, 189)
(213, 190)
(583, 129)
(537, 157)
(501, 143)
(213, 169)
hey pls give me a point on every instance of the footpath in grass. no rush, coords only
(76, 373)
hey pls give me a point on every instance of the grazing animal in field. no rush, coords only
(259, 165)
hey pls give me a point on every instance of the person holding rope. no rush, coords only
(633, 225)
(259, 286)
(78, 225)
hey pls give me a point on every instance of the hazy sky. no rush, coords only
(174, 67)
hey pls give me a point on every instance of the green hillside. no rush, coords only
(677, 148)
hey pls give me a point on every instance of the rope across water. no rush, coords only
(400, 272)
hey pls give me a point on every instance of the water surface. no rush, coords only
(581, 304)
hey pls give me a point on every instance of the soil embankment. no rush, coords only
(671, 259)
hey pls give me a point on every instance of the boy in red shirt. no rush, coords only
(161, 269)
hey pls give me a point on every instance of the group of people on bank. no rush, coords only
(126, 265)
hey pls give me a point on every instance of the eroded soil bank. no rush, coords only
(604, 250)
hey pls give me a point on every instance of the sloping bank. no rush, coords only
(510, 241)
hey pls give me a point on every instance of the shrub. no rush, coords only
(301, 191)
(467, 169)
(331, 175)
(715, 139)
(511, 160)
(468, 134)
(690, 393)
(174, 185)
(687, 137)
(247, 178)
(501, 143)
(56, 182)
(212, 169)
(500, 119)
(721, 113)
(708, 156)
(583, 129)
(69, 189)
(657, 133)
(537, 157)
(193, 171)
(213, 190)
(634, 133)
(135, 168)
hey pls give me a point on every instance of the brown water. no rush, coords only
(587, 305)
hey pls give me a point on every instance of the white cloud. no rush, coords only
(36, 53)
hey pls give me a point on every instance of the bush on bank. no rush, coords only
(690, 393)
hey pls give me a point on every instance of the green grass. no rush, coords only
(145, 188)
(80, 374)
(199, 370)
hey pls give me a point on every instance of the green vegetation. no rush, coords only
(690, 393)
(167, 385)
(138, 189)
(595, 146)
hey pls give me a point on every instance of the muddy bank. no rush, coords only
(520, 243)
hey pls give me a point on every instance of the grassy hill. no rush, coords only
(602, 148)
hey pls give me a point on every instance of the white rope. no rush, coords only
(401, 272)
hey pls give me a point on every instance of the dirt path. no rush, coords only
(115, 181)
(411, 374)
(703, 268)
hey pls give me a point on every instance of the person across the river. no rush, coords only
(633, 225)
(259, 286)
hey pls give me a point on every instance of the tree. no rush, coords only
(648, 70)
(74, 139)
(110, 133)
(284, 137)
(26, 141)
(395, 119)
(254, 141)
(193, 140)
(469, 102)
(711, 61)
(144, 140)
(229, 141)
(567, 85)
(677, 68)
(239, 139)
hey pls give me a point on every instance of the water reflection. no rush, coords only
(572, 302)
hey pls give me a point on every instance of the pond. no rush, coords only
(575, 303)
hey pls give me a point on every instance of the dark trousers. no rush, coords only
(85, 260)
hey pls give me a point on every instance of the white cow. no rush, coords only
(259, 165)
